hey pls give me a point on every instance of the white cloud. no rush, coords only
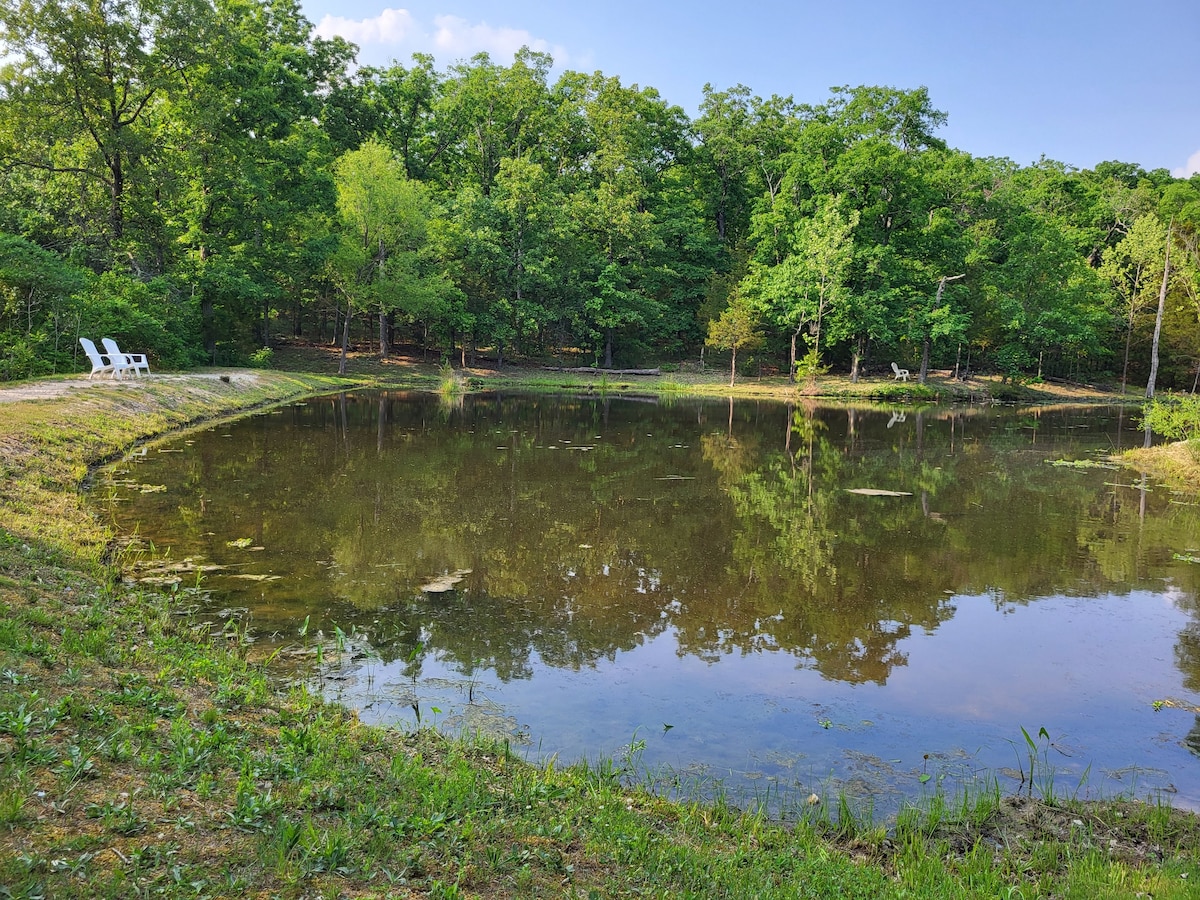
(1189, 168)
(458, 38)
(396, 33)
(392, 26)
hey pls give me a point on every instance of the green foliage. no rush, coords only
(248, 177)
(736, 329)
(142, 317)
(38, 321)
(809, 367)
(262, 358)
(1175, 416)
(1012, 359)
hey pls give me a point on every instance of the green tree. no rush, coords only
(384, 218)
(801, 290)
(256, 201)
(726, 156)
(736, 329)
(1134, 268)
(511, 244)
(486, 112)
(632, 138)
(81, 84)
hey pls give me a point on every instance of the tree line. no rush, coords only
(200, 178)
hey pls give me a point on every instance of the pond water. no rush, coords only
(754, 598)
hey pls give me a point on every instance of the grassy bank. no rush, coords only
(1177, 464)
(414, 367)
(1176, 417)
(145, 754)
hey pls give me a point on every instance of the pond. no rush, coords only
(748, 598)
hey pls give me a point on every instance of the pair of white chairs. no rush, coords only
(113, 360)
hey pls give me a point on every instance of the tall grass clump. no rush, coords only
(451, 381)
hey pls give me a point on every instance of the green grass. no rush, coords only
(142, 754)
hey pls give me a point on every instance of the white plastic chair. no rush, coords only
(103, 362)
(899, 373)
(135, 361)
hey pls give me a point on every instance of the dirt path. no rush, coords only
(54, 388)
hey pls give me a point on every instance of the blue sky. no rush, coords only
(1078, 82)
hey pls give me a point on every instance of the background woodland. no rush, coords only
(201, 180)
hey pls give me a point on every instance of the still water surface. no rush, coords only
(775, 599)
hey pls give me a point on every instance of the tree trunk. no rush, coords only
(936, 303)
(792, 356)
(732, 369)
(117, 195)
(608, 342)
(207, 315)
(1162, 302)
(856, 358)
(345, 339)
(1128, 339)
(384, 345)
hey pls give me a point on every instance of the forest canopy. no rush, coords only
(201, 178)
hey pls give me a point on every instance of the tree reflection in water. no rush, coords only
(589, 527)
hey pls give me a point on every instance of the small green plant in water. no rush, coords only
(1040, 769)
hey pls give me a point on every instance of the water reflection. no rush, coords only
(612, 557)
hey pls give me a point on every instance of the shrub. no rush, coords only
(38, 318)
(143, 317)
(1176, 416)
(262, 358)
(809, 366)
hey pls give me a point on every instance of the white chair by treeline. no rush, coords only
(104, 362)
(135, 361)
(900, 374)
